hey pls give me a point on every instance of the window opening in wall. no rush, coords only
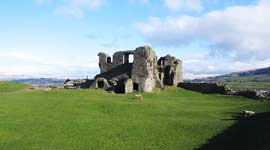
(130, 58)
(135, 86)
(109, 60)
(100, 84)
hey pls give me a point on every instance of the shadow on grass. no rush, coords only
(246, 134)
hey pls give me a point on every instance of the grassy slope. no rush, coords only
(93, 119)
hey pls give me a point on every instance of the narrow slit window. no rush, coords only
(131, 58)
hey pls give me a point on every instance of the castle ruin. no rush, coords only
(136, 70)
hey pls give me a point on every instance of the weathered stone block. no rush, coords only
(128, 86)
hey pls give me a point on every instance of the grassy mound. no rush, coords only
(11, 86)
(93, 119)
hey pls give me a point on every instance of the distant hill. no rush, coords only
(256, 75)
(40, 81)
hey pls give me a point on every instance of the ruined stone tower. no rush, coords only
(136, 70)
(144, 70)
(122, 75)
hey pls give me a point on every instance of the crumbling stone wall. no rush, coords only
(105, 62)
(81, 83)
(100, 83)
(170, 70)
(119, 58)
(251, 93)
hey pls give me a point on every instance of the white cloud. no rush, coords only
(238, 38)
(22, 65)
(176, 5)
(238, 31)
(204, 66)
(17, 56)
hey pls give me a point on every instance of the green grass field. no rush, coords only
(249, 85)
(174, 119)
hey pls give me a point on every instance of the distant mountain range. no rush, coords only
(40, 81)
(256, 75)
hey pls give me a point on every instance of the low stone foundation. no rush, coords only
(255, 94)
(216, 88)
(208, 88)
(81, 83)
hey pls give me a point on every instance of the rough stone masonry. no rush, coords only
(136, 70)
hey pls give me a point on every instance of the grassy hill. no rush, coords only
(250, 79)
(249, 85)
(10, 86)
(256, 75)
(260, 82)
(94, 119)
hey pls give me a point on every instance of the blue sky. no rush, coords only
(61, 38)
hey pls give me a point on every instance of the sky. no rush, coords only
(61, 38)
